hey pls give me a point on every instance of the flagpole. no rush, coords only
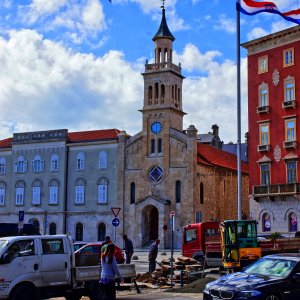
(238, 55)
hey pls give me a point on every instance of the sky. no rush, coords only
(77, 64)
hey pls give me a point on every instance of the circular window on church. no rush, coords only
(156, 174)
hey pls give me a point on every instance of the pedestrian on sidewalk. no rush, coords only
(128, 248)
(153, 255)
(109, 270)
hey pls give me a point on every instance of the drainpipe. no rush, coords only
(65, 208)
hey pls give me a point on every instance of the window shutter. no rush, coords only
(16, 167)
(32, 166)
(42, 164)
(25, 166)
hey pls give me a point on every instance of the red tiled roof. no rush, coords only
(217, 157)
(95, 135)
(6, 143)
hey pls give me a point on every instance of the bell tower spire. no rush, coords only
(163, 80)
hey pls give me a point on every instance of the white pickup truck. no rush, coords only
(40, 267)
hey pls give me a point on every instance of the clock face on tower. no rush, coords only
(156, 127)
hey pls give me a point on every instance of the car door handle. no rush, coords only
(36, 266)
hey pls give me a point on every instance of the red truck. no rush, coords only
(202, 241)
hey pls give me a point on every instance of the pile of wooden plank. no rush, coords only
(182, 268)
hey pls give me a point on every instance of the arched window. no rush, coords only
(293, 222)
(178, 191)
(159, 146)
(36, 192)
(101, 232)
(2, 192)
(150, 92)
(20, 191)
(54, 163)
(172, 91)
(79, 232)
(162, 91)
(52, 229)
(132, 193)
(175, 91)
(37, 164)
(152, 146)
(102, 160)
(266, 222)
(80, 191)
(2, 165)
(36, 225)
(53, 192)
(201, 193)
(80, 161)
(102, 190)
(156, 90)
(21, 165)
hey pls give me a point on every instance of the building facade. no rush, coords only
(76, 179)
(273, 150)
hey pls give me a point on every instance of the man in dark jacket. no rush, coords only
(153, 255)
(128, 247)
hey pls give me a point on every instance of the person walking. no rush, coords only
(153, 255)
(109, 271)
(105, 243)
(128, 247)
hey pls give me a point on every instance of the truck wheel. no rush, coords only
(23, 292)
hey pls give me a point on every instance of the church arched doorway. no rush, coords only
(149, 224)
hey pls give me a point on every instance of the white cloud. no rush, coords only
(256, 33)
(226, 24)
(93, 16)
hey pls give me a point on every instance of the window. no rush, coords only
(292, 222)
(291, 167)
(53, 194)
(21, 165)
(2, 165)
(79, 198)
(201, 193)
(266, 222)
(289, 89)
(265, 174)
(198, 217)
(263, 64)
(290, 128)
(52, 246)
(103, 160)
(52, 229)
(264, 134)
(80, 162)
(54, 163)
(152, 146)
(102, 190)
(178, 191)
(263, 95)
(288, 57)
(36, 195)
(132, 193)
(150, 92)
(2, 193)
(20, 190)
(37, 165)
(79, 232)
(159, 146)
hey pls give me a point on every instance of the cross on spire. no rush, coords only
(163, 4)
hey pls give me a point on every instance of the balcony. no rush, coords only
(288, 104)
(262, 109)
(290, 145)
(263, 148)
(273, 190)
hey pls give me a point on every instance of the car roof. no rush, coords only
(26, 237)
(290, 256)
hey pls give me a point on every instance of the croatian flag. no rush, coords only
(250, 7)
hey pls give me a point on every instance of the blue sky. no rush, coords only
(77, 64)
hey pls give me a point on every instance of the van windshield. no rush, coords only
(3, 243)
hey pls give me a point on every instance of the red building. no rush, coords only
(273, 143)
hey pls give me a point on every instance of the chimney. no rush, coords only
(215, 129)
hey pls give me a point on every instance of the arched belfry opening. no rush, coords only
(149, 224)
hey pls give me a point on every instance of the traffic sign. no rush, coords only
(115, 222)
(21, 215)
(115, 210)
(172, 213)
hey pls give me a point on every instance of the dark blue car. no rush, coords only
(273, 277)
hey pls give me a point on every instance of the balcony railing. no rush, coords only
(262, 109)
(285, 189)
(287, 104)
(263, 148)
(290, 144)
(160, 66)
